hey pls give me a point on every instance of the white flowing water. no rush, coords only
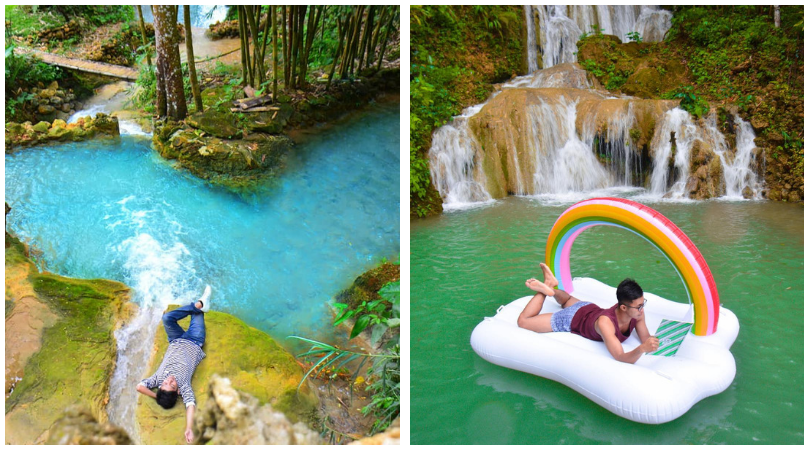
(677, 125)
(568, 161)
(560, 27)
(531, 38)
(453, 165)
(738, 172)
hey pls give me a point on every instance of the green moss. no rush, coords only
(77, 355)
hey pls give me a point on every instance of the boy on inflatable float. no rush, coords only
(611, 326)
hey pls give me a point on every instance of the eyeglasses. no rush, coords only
(639, 307)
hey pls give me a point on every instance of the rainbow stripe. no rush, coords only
(653, 227)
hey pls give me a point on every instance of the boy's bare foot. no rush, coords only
(549, 279)
(537, 286)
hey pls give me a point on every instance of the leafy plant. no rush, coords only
(690, 102)
(384, 372)
(634, 37)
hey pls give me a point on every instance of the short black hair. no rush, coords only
(628, 291)
(166, 399)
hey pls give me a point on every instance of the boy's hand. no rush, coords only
(189, 435)
(650, 345)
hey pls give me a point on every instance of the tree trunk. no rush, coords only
(312, 28)
(192, 69)
(387, 33)
(168, 59)
(342, 35)
(777, 19)
(286, 22)
(366, 36)
(143, 36)
(275, 54)
(255, 68)
(243, 45)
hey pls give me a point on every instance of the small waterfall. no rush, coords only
(563, 162)
(453, 166)
(560, 27)
(738, 173)
(160, 273)
(680, 131)
(109, 99)
(531, 39)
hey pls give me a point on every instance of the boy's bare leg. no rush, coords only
(530, 318)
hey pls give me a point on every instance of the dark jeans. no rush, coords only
(196, 330)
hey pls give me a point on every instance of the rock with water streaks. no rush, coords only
(59, 341)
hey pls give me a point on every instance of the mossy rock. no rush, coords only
(77, 356)
(215, 123)
(251, 359)
(365, 287)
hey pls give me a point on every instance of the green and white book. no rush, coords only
(670, 335)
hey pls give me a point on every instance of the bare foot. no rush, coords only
(537, 286)
(549, 279)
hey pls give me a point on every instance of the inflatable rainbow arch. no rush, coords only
(656, 229)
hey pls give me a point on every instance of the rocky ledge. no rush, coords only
(204, 146)
(21, 135)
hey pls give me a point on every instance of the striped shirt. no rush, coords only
(181, 359)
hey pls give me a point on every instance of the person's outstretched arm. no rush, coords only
(146, 391)
(189, 422)
(605, 327)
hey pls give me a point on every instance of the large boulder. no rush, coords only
(215, 123)
(236, 164)
(64, 349)
(79, 427)
(253, 362)
(233, 417)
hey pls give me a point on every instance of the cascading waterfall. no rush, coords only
(680, 131)
(563, 162)
(569, 138)
(553, 31)
(738, 173)
(531, 37)
(577, 145)
(453, 164)
(160, 273)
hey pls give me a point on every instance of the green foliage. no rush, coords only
(694, 104)
(22, 73)
(382, 315)
(449, 45)
(634, 37)
(144, 91)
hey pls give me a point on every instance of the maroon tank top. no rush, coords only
(584, 322)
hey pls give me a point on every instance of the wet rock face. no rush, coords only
(79, 427)
(233, 417)
(74, 320)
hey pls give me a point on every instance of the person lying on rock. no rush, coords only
(181, 359)
(611, 326)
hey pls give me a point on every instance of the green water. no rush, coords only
(465, 264)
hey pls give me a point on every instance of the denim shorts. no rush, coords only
(561, 320)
